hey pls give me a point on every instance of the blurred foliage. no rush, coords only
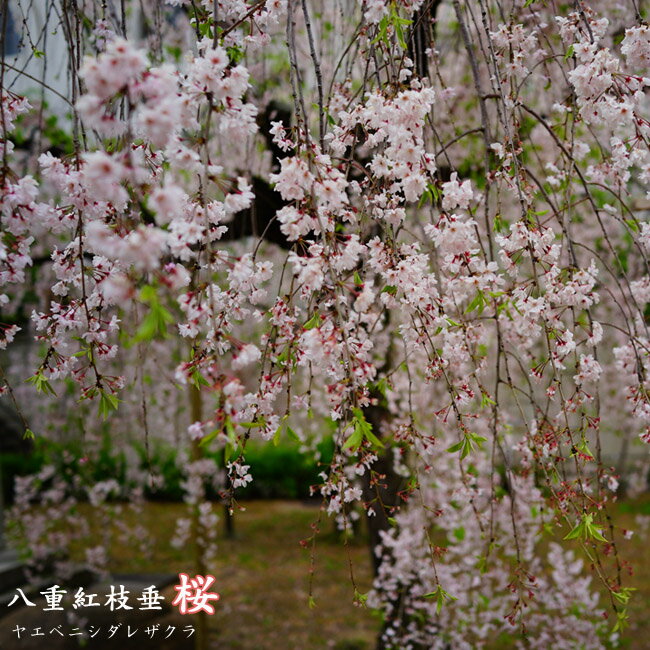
(54, 136)
(280, 471)
(283, 472)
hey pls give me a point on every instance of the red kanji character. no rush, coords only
(193, 595)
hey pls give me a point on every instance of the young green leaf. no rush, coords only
(440, 595)
(107, 403)
(314, 321)
(585, 529)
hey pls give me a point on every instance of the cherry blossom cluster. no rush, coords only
(459, 297)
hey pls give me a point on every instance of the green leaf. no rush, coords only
(198, 379)
(148, 293)
(283, 357)
(235, 54)
(253, 425)
(41, 384)
(457, 447)
(365, 428)
(361, 428)
(382, 386)
(206, 440)
(583, 448)
(479, 302)
(400, 36)
(373, 439)
(469, 442)
(623, 596)
(314, 321)
(154, 324)
(382, 34)
(278, 431)
(440, 595)
(485, 400)
(595, 533)
(107, 403)
(360, 598)
(621, 621)
(232, 449)
(354, 441)
(293, 435)
(500, 225)
(569, 53)
(157, 319)
(585, 529)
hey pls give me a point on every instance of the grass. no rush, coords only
(263, 578)
(636, 551)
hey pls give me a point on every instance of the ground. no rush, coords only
(263, 577)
